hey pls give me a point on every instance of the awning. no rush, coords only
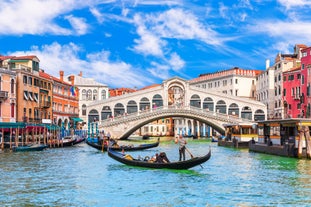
(77, 119)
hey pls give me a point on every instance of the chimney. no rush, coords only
(61, 75)
(80, 74)
(267, 63)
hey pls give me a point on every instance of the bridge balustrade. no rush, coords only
(171, 110)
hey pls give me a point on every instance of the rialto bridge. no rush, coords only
(175, 97)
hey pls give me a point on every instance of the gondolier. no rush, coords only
(182, 146)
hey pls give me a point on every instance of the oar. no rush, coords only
(191, 155)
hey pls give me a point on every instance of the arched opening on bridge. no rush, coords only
(189, 128)
(233, 110)
(259, 115)
(221, 107)
(176, 95)
(118, 109)
(157, 101)
(246, 113)
(208, 104)
(93, 116)
(195, 101)
(144, 104)
(106, 113)
(131, 107)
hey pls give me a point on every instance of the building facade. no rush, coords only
(306, 81)
(292, 80)
(89, 91)
(7, 95)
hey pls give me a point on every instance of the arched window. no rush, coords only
(94, 94)
(83, 94)
(12, 86)
(103, 94)
(89, 95)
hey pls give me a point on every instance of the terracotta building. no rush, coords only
(7, 95)
(33, 93)
(65, 103)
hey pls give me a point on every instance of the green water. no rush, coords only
(83, 176)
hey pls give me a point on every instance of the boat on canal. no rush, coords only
(30, 147)
(148, 163)
(93, 142)
(239, 135)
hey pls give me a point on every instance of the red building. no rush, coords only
(292, 93)
(306, 81)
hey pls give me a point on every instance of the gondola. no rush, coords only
(93, 143)
(178, 165)
(31, 147)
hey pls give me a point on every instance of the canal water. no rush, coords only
(83, 176)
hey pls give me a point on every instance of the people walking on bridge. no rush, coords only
(182, 146)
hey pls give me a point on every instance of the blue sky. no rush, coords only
(136, 43)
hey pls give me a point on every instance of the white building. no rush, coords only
(265, 89)
(234, 82)
(89, 91)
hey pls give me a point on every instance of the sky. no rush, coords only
(136, 43)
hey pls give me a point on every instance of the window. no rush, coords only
(30, 80)
(89, 95)
(284, 92)
(94, 94)
(284, 78)
(103, 94)
(12, 110)
(12, 86)
(84, 110)
(25, 79)
(236, 81)
(84, 94)
(298, 76)
(302, 80)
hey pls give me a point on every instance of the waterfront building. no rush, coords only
(292, 84)
(120, 91)
(7, 95)
(283, 62)
(33, 93)
(90, 91)
(65, 103)
(306, 82)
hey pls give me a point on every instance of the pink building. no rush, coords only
(292, 93)
(306, 81)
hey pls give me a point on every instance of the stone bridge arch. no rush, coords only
(123, 127)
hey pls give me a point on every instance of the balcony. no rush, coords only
(45, 104)
(4, 95)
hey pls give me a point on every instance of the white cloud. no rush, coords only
(289, 4)
(57, 57)
(39, 17)
(176, 62)
(78, 24)
(149, 43)
(97, 14)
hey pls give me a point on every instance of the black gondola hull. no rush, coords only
(181, 165)
(126, 148)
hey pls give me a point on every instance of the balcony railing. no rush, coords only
(4, 95)
(45, 104)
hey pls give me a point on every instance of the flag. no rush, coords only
(73, 90)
